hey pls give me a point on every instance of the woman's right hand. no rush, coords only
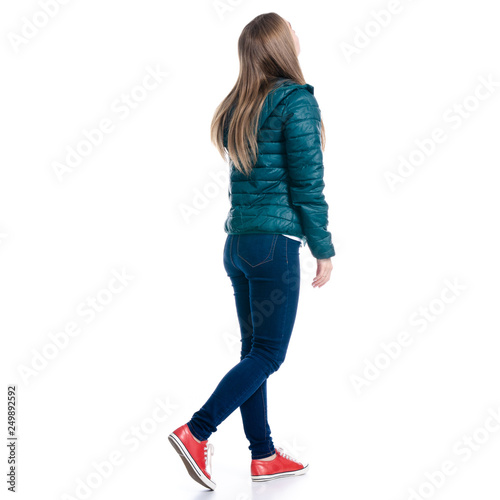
(323, 272)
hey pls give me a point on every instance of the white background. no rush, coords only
(171, 332)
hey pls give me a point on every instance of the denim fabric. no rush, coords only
(264, 270)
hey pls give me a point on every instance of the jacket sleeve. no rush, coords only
(302, 132)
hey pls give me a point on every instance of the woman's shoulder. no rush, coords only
(301, 101)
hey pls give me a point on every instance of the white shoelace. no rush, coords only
(209, 451)
(281, 451)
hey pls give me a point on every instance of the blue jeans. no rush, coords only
(264, 270)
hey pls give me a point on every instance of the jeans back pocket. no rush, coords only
(256, 249)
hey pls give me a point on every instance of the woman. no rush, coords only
(270, 127)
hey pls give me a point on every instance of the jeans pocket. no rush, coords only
(256, 249)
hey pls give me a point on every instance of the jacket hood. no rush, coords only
(282, 88)
(277, 94)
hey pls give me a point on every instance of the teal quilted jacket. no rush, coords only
(284, 193)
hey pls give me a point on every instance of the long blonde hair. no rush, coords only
(266, 51)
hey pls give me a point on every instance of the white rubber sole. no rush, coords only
(194, 471)
(278, 475)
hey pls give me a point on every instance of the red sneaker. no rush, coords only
(283, 465)
(196, 456)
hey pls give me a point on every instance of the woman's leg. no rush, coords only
(254, 409)
(270, 265)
